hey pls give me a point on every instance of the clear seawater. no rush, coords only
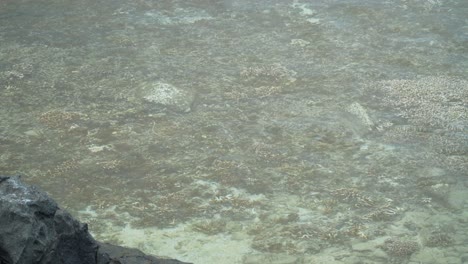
(324, 131)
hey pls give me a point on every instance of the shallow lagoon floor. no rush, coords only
(266, 132)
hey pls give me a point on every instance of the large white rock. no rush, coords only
(165, 94)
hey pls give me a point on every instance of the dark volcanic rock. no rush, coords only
(33, 229)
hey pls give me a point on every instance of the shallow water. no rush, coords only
(265, 132)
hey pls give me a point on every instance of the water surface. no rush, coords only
(264, 132)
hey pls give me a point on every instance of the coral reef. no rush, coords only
(396, 247)
(58, 119)
(267, 115)
(439, 239)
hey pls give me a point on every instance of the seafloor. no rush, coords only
(324, 131)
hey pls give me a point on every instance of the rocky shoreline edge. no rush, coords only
(34, 229)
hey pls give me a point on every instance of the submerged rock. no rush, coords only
(34, 229)
(167, 95)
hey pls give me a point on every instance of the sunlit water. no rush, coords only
(247, 131)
